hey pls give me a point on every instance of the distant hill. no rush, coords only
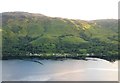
(24, 33)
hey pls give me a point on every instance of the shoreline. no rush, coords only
(108, 58)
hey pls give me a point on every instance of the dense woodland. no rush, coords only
(27, 34)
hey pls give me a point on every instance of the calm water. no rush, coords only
(67, 70)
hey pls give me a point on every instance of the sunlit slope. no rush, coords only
(35, 33)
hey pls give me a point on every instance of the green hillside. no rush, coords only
(26, 33)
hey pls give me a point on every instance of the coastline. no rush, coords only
(108, 58)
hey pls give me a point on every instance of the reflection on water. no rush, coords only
(66, 70)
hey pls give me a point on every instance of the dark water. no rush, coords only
(66, 70)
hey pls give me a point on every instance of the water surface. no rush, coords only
(66, 70)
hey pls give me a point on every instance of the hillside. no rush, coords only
(26, 33)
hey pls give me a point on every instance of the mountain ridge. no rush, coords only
(39, 14)
(37, 33)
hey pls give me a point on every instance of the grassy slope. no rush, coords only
(48, 34)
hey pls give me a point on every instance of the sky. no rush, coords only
(73, 9)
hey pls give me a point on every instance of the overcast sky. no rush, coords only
(76, 9)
